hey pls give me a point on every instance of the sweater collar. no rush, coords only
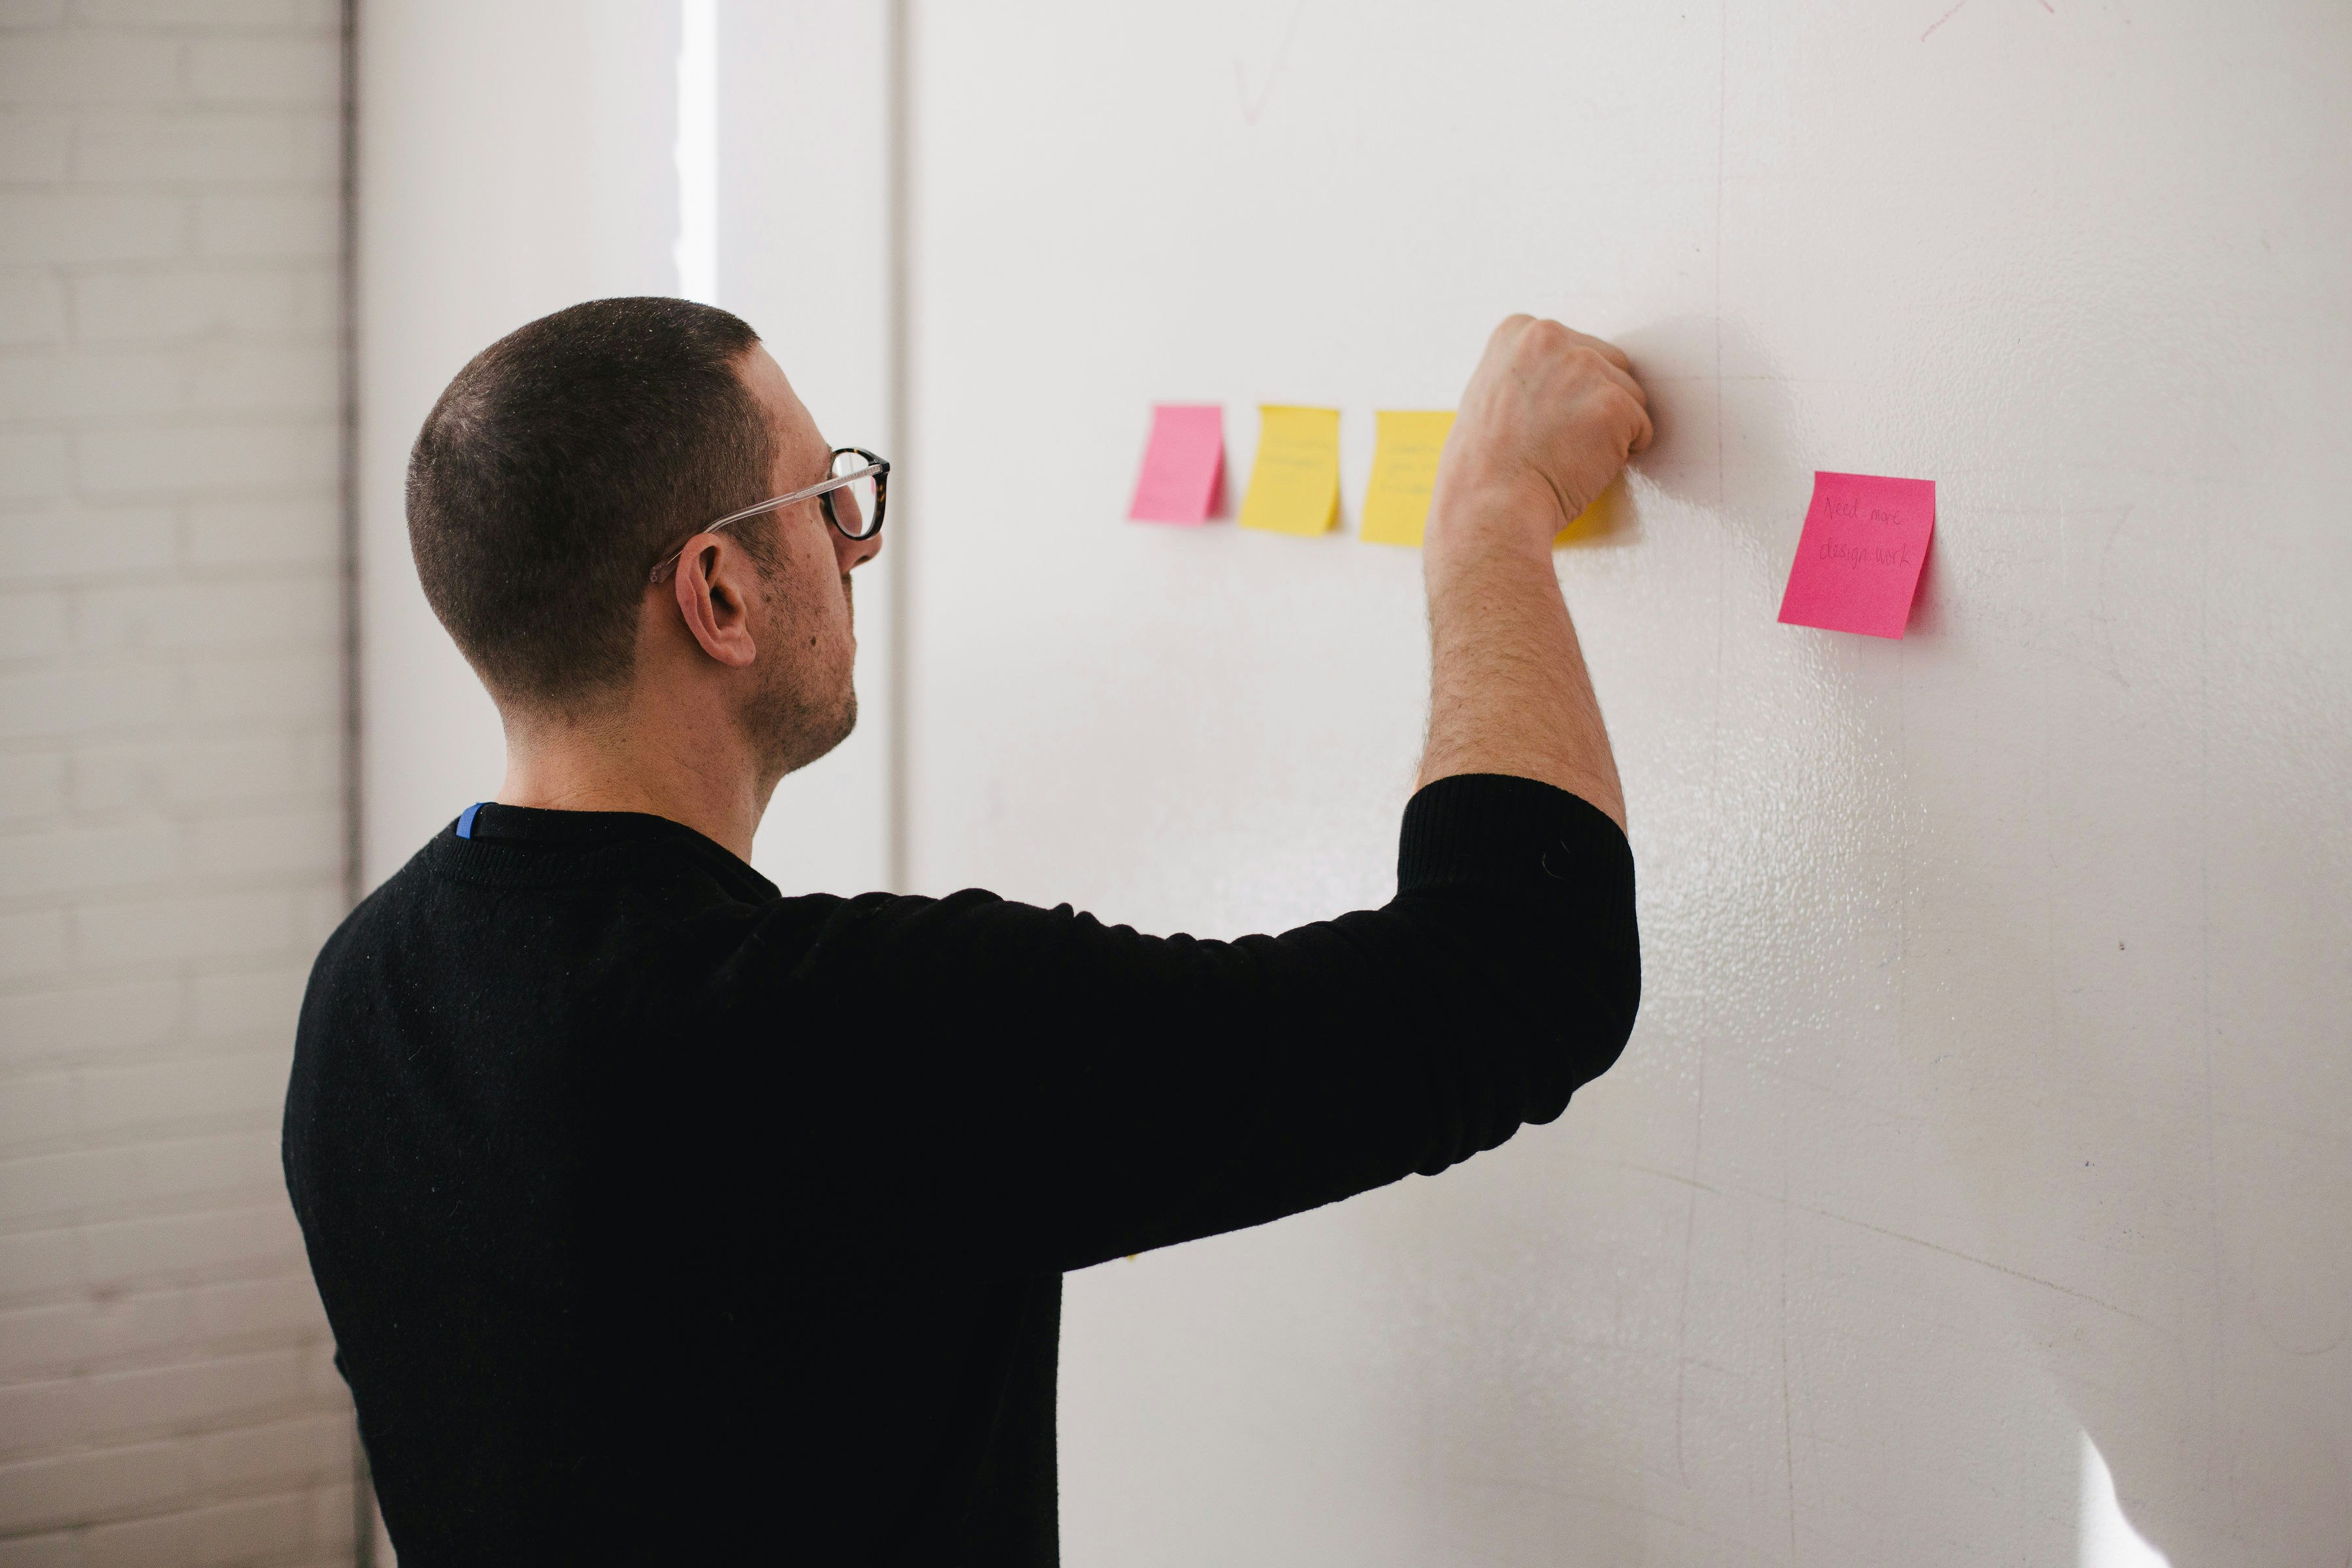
(490, 828)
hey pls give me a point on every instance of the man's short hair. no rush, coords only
(557, 470)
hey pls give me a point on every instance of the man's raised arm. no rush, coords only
(1061, 1091)
(1548, 420)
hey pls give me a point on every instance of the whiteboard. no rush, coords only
(1992, 1085)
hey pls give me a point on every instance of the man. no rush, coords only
(659, 1215)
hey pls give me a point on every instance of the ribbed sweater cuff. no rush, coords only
(1492, 830)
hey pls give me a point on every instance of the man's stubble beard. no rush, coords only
(793, 726)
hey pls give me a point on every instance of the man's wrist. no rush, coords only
(1506, 545)
(1490, 520)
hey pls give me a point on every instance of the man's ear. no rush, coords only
(711, 586)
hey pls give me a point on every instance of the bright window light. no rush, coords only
(2108, 1539)
(697, 250)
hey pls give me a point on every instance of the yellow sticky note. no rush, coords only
(1295, 485)
(1404, 467)
(1596, 522)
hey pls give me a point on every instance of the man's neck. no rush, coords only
(693, 769)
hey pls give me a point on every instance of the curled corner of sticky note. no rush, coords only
(1183, 474)
(1607, 519)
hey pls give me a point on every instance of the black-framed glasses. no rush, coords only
(851, 501)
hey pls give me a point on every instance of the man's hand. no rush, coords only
(1550, 416)
(1548, 420)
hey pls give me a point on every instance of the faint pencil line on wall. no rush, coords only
(1253, 108)
(1956, 11)
(1786, 1201)
(1942, 19)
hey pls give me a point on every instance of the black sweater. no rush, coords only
(660, 1217)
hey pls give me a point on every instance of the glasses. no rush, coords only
(851, 501)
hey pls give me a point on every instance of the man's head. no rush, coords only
(575, 454)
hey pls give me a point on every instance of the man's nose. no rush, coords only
(856, 552)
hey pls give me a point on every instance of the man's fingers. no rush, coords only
(1509, 331)
(1624, 378)
(1512, 326)
(1609, 351)
(1642, 437)
(1549, 396)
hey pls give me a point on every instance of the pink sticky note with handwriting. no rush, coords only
(1184, 467)
(1858, 559)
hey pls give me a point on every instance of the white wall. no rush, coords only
(1990, 1087)
(1991, 1080)
(171, 823)
(519, 158)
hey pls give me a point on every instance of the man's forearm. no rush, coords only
(1508, 691)
(1546, 421)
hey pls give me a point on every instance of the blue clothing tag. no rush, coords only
(466, 820)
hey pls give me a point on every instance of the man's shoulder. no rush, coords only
(358, 939)
(441, 916)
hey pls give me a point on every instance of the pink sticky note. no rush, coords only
(1184, 466)
(1858, 559)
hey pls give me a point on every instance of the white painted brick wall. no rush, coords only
(170, 811)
